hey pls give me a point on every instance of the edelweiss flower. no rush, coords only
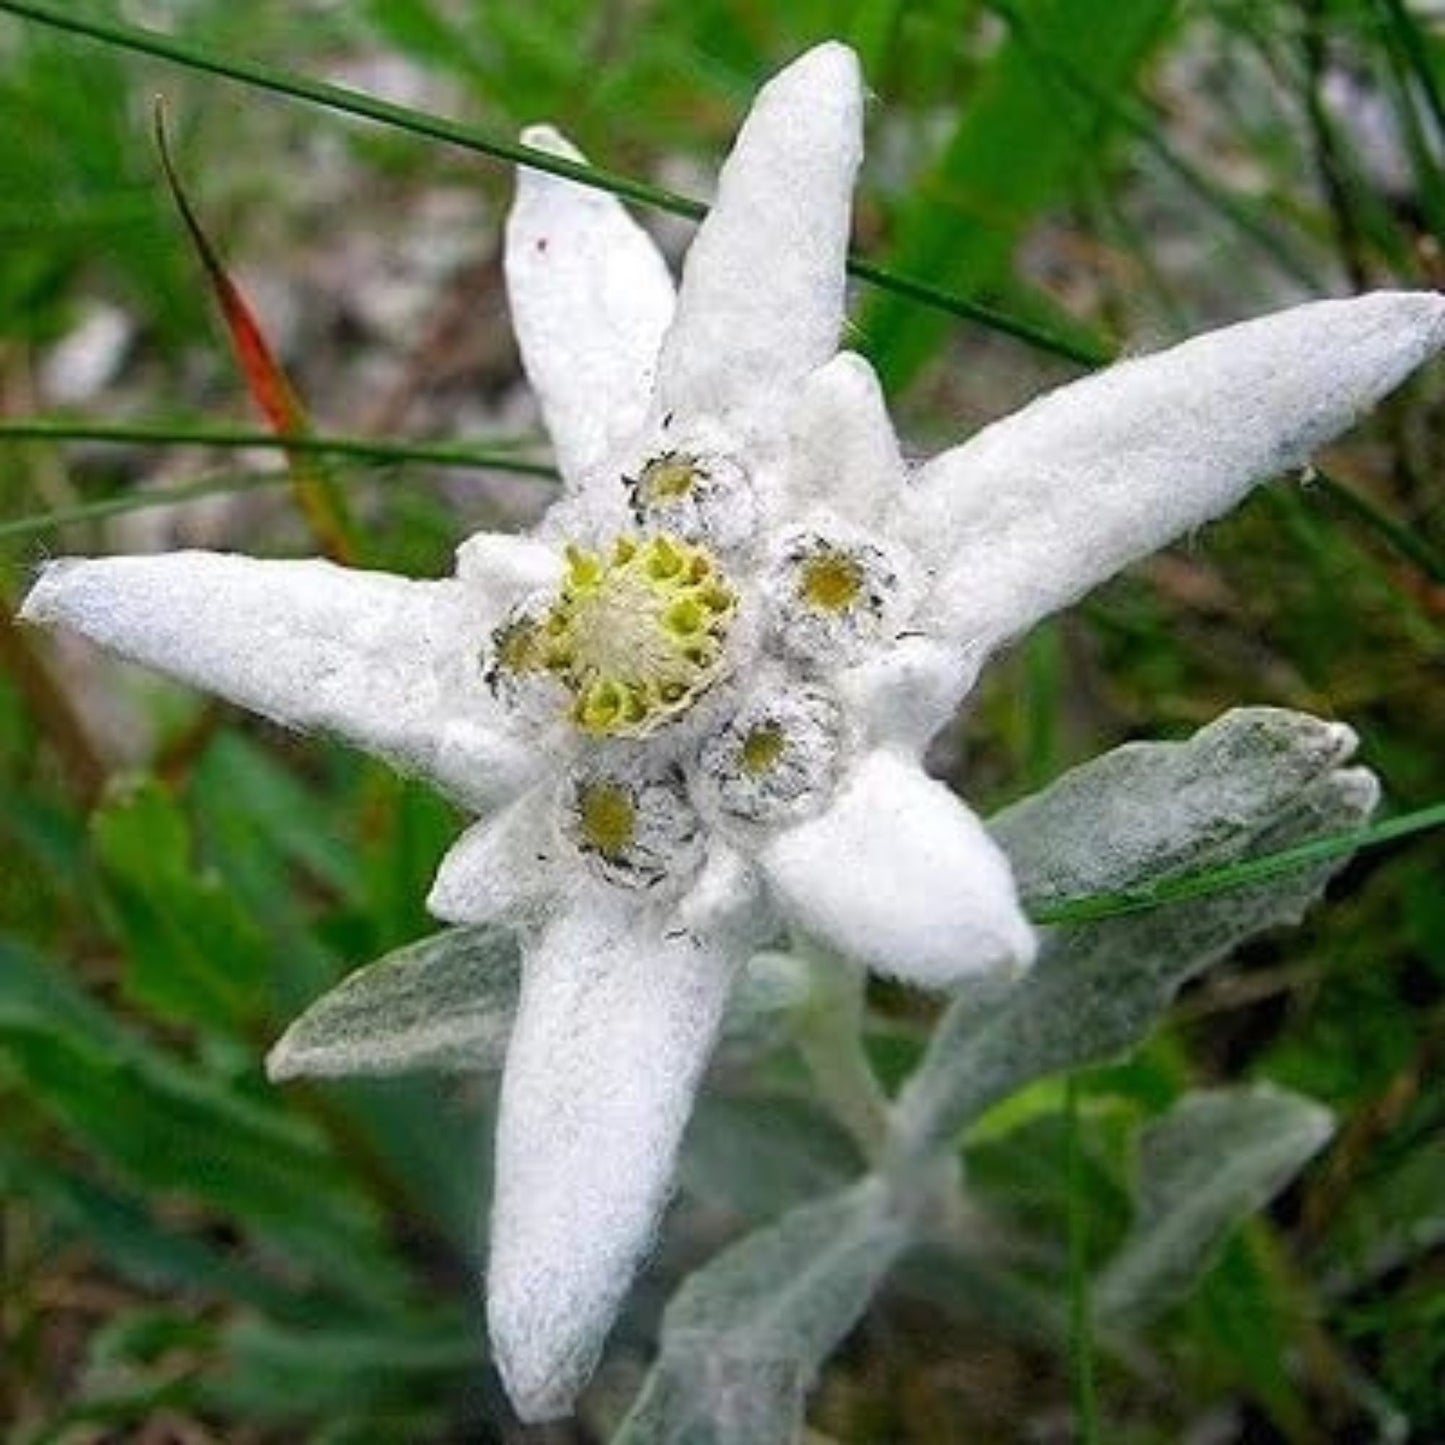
(691, 707)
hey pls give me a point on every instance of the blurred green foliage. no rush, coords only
(180, 1241)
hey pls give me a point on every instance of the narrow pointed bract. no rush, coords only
(761, 301)
(615, 1026)
(695, 700)
(375, 659)
(900, 877)
(1039, 508)
(843, 455)
(591, 298)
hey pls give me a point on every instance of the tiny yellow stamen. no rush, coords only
(663, 561)
(830, 581)
(607, 817)
(583, 568)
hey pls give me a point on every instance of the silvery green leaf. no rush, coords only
(1214, 1159)
(758, 1155)
(445, 1003)
(1097, 988)
(979, 1284)
(744, 1336)
(1147, 810)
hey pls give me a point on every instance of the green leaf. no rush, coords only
(1215, 1159)
(1097, 988)
(1017, 147)
(1146, 811)
(378, 1369)
(243, 789)
(126, 1234)
(444, 1003)
(760, 1155)
(448, 1003)
(744, 1336)
(173, 1130)
(193, 957)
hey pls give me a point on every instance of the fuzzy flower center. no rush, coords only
(637, 632)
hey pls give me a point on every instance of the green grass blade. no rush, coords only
(1407, 542)
(1135, 118)
(1012, 156)
(1412, 42)
(1206, 881)
(352, 102)
(496, 455)
(142, 501)
(1081, 1342)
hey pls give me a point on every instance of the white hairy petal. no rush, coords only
(591, 298)
(386, 663)
(844, 456)
(899, 876)
(1042, 506)
(761, 301)
(615, 1027)
(501, 869)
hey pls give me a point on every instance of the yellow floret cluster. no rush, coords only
(636, 634)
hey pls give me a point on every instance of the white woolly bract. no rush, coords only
(1050, 502)
(761, 300)
(615, 1026)
(591, 298)
(842, 454)
(899, 876)
(379, 660)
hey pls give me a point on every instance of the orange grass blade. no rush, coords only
(266, 378)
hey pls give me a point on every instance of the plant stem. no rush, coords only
(830, 1037)
(1081, 1342)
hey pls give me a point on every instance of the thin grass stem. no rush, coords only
(368, 107)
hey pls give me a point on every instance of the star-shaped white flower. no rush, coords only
(691, 707)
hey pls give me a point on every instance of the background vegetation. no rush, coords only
(190, 1254)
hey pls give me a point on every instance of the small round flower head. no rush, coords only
(704, 497)
(832, 599)
(777, 759)
(634, 831)
(637, 633)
